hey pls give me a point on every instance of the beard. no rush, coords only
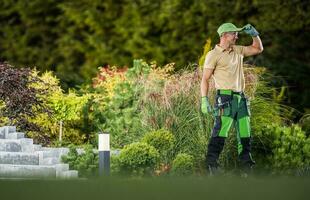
(233, 41)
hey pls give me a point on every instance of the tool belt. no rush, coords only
(229, 92)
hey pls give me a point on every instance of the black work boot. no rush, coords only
(247, 169)
(215, 147)
(245, 158)
(214, 170)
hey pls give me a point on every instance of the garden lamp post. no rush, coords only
(104, 153)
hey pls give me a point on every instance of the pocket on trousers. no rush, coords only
(223, 110)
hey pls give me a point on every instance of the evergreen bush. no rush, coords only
(183, 165)
(138, 159)
(86, 163)
(163, 141)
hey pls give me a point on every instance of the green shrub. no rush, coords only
(183, 165)
(286, 151)
(138, 159)
(121, 113)
(163, 141)
(115, 168)
(290, 149)
(86, 163)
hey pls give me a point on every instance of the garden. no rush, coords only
(72, 70)
(153, 116)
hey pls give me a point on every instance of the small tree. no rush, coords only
(66, 108)
(21, 100)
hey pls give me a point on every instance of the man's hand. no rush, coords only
(250, 30)
(205, 105)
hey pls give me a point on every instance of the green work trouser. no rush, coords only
(230, 109)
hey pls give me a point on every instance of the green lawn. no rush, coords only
(159, 188)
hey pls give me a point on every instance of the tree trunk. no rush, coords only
(60, 130)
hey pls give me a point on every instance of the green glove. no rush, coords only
(250, 30)
(205, 105)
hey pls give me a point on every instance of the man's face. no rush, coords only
(231, 37)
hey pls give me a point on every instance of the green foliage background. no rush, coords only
(73, 38)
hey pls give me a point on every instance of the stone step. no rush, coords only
(15, 135)
(48, 160)
(17, 145)
(29, 158)
(8, 170)
(6, 130)
(68, 174)
(42, 171)
(19, 158)
(54, 152)
(37, 147)
(52, 156)
(62, 171)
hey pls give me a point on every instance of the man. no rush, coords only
(225, 64)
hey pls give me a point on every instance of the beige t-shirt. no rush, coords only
(228, 67)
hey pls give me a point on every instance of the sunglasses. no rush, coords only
(232, 33)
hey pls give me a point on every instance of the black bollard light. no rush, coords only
(104, 154)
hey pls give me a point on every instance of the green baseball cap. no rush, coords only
(228, 27)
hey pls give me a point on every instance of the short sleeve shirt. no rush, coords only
(228, 67)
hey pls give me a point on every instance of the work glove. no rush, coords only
(205, 105)
(250, 30)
